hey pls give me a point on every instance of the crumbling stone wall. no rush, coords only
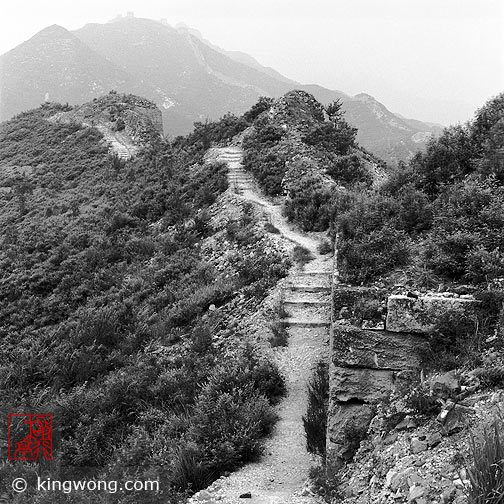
(376, 345)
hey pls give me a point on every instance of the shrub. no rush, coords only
(257, 109)
(420, 401)
(467, 231)
(308, 196)
(301, 255)
(333, 138)
(485, 466)
(325, 485)
(368, 256)
(269, 135)
(189, 468)
(447, 159)
(315, 420)
(268, 168)
(280, 336)
(325, 247)
(490, 377)
(454, 341)
(229, 425)
(349, 170)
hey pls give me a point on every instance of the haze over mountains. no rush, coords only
(189, 78)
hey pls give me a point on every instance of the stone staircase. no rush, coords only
(307, 299)
(239, 179)
(280, 475)
(115, 145)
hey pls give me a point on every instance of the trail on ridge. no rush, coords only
(280, 474)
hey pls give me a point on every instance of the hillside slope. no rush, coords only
(132, 293)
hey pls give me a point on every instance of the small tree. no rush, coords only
(334, 111)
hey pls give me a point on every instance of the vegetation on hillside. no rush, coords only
(447, 203)
(107, 312)
(294, 149)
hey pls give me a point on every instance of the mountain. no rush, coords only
(238, 56)
(189, 78)
(55, 65)
(386, 134)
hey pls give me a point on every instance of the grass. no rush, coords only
(324, 485)
(301, 255)
(485, 467)
(280, 334)
(315, 420)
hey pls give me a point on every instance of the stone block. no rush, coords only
(419, 315)
(363, 385)
(360, 348)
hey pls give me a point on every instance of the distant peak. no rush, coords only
(54, 29)
(364, 97)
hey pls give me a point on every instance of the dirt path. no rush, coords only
(281, 473)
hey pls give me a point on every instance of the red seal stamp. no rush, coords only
(29, 436)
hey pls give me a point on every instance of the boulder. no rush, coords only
(454, 417)
(444, 385)
(419, 315)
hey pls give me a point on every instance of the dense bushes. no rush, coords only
(468, 231)
(204, 134)
(448, 203)
(104, 316)
(371, 241)
(334, 138)
(308, 196)
(268, 168)
(348, 170)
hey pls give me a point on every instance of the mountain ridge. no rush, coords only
(188, 77)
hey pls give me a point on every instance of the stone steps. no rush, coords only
(310, 311)
(310, 281)
(306, 302)
(306, 297)
(292, 322)
(309, 288)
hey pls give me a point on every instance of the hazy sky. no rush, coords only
(435, 60)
